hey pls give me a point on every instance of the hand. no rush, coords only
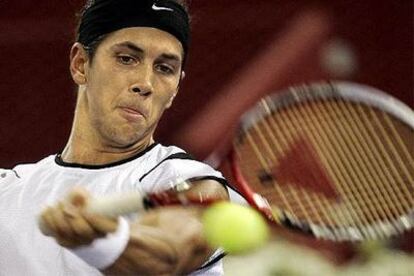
(71, 225)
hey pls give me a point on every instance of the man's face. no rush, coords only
(132, 79)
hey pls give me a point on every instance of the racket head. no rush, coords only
(334, 160)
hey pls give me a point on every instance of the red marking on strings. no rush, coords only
(302, 167)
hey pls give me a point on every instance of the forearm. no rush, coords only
(169, 241)
(156, 247)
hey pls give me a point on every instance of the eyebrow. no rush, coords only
(138, 50)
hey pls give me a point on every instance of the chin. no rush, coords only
(126, 139)
(121, 137)
(130, 139)
(127, 135)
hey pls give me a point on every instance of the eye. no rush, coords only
(165, 69)
(126, 60)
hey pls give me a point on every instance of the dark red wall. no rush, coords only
(37, 94)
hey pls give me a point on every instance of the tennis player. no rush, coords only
(127, 63)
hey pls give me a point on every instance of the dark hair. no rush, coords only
(92, 46)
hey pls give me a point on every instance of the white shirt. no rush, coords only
(27, 189)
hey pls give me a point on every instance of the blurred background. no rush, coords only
(240, 51)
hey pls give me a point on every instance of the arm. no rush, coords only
(163, 241)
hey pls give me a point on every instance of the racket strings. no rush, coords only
(314, 133)
(369, 163)
(388, 183)
(375, 210)
(311, 212)
(285, 196)
(264, 165)
(395, 154)
(309, 206)
(394, 182)
(274, 148)
(381, 209)
(405, 152)
(351, 147)
(323, 204)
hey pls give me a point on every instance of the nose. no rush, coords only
(141, 91)
(143, 82)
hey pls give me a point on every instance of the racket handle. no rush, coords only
(109, 206)
(116, 205)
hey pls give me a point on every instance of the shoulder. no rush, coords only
(27, 168)
(174, 165)
(11, 177)
(161, 152)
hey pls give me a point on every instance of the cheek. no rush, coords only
(168, 91)
(165, 99)
(104, 92)
(159, 105)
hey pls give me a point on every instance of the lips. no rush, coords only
(131, 113)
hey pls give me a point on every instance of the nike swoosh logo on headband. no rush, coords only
(156, 8)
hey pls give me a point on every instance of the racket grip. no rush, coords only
(116, 205)
(109, 206)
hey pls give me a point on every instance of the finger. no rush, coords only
(68, 243)
(63, 228)
(101, 224)
(84, 232)
(48, 218)
(48, 222)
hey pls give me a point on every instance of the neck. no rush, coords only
(81, 152)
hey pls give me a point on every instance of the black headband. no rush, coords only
(106, 16)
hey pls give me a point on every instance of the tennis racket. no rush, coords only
(333, 160)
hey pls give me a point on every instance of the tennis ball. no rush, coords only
(235, 228)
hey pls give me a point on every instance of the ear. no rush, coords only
(176, 91)
(78, 63)
(170, 101)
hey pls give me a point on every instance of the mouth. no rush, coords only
(131, 114)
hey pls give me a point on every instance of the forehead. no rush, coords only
(149, 39)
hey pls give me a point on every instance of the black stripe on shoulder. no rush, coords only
(220, 180)
(212, 261)
(234, 189)
(178, 155)
(15, 172)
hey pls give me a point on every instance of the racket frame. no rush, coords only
(357, 93)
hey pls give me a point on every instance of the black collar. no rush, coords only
(60, 162)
